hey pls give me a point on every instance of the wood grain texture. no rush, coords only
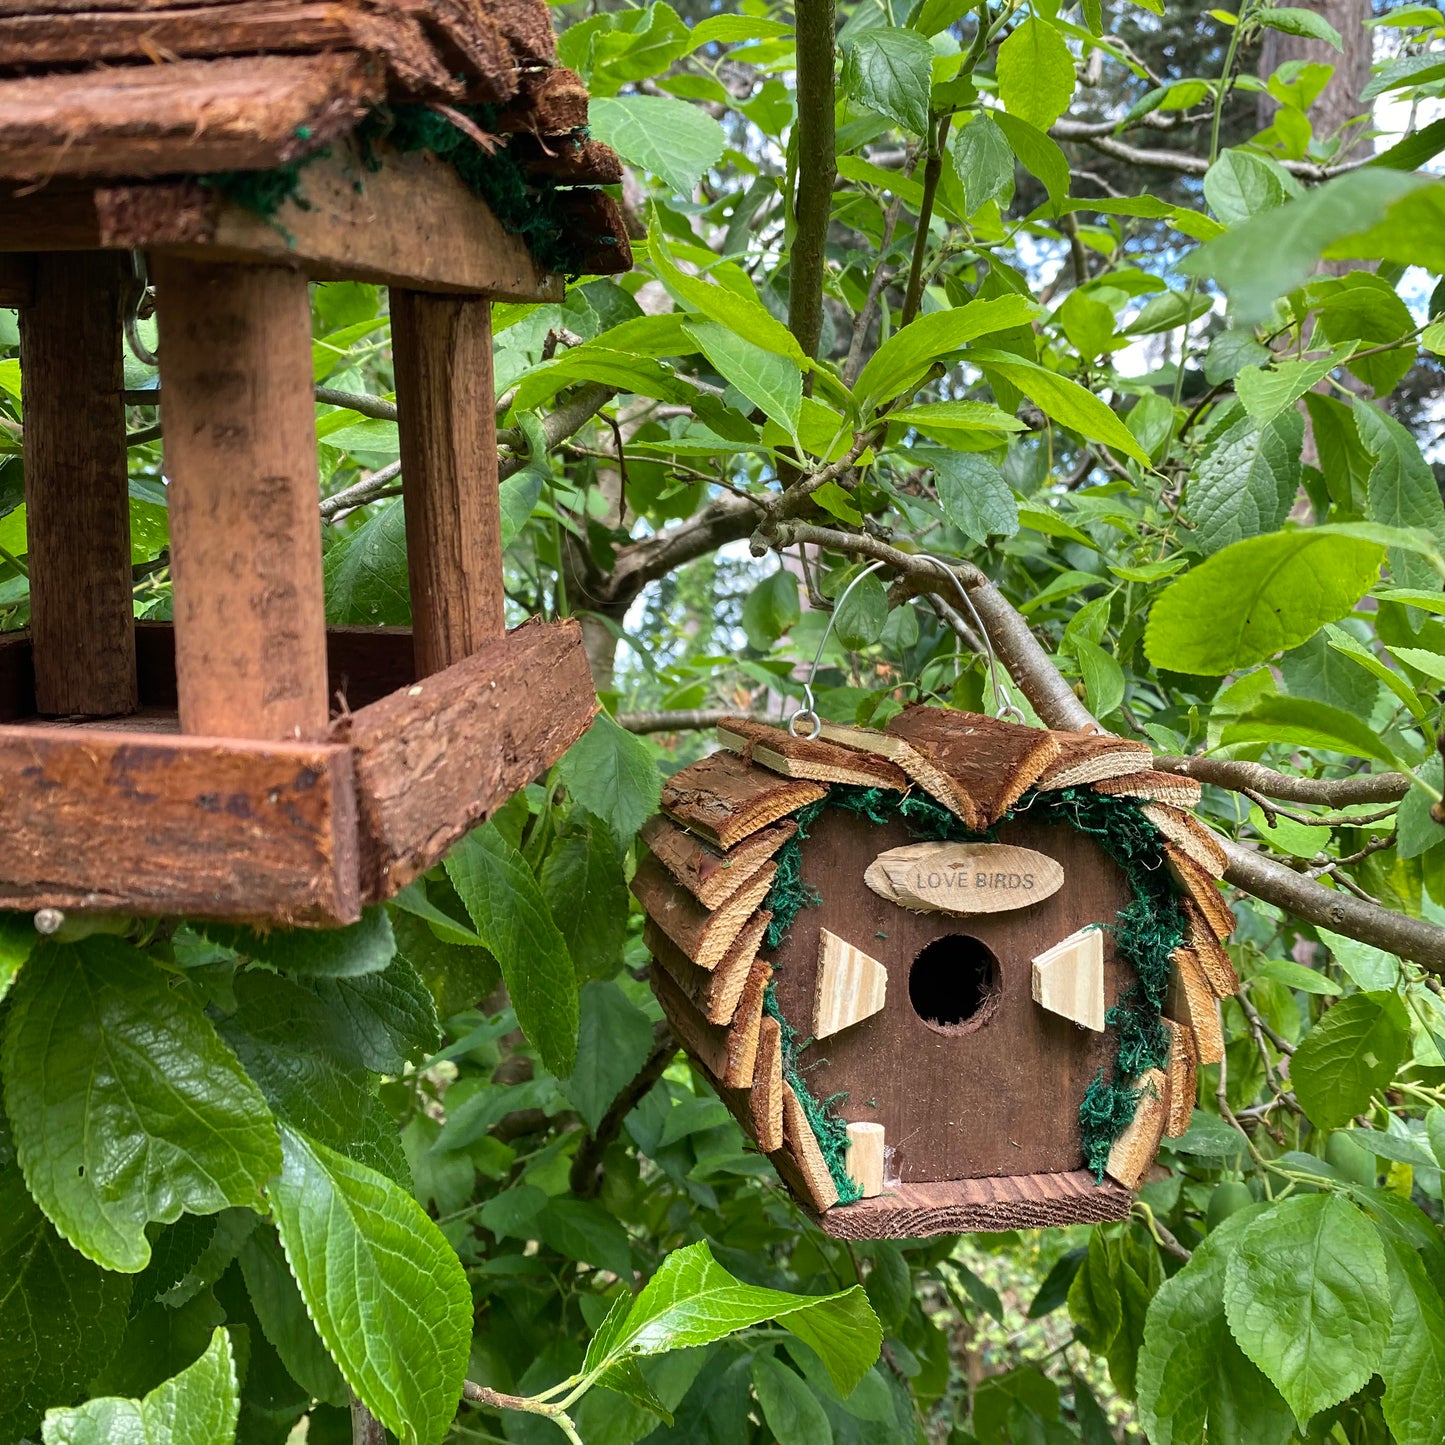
(713, 992)
(765, 1100)
(1135, 1149)
(191, 116)
(1068, 979)
(435, 760)
(852, 986)
(938, 785)
(1201, 890)
(708, 874)
(729, 1054)
(1191, 1002)
(1193, 838)
(723, 800)
(247, 27)
(446, 405)
(1172, 788)
(999, 1098)
(240, 455)
(1212, 956)
(865, 1158)
(809, 1175)
(1085, 758)
(118, 822)
(994, 763)
(548, 102)
(965, 1206)
(412, 224)
(1182, 1070)
(815, 758)
(963, 878)
(77, 502)
(705, 936)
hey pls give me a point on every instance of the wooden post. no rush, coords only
(240, 455)
(447, 405)
(76, 503)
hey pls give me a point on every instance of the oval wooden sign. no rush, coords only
(963, 877)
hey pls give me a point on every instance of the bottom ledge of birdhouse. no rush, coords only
(132, 816)
(964, 1206)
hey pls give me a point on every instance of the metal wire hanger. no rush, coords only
(808, 711)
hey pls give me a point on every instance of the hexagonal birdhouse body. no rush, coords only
(956, 975)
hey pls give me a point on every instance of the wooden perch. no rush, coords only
(993, 763)
(724, 800)
(865, 1157)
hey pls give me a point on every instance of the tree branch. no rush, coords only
(687, 720)
(816, 30)
(932, 172)
(1255, 777)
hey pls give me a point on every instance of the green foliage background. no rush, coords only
(1169, 379)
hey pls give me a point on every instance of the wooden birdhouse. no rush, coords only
(247, 762)
(955, 975)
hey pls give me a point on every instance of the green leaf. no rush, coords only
(984, 162)
(385, 1291)
(511, 916)
(1247, 481)
(613, 1044)
(1413, 1366)
(61, 1317)
(1304, 723)
(771, 609)
(742, 315)
(1296, 975)
(390, 1018)
(1293, 20)
(905, 358)
(1039, 154)
(582, 1230)
(200, 1406)
(693, 1300)
(124, 1104)
(1367, 967)
(668, 138)
(1094, 1303)
(282, 1315)
(1191, 1373)
(890, 70)
(1064, 401)
(1267, 392)
(943, 419)
(1088, 324)
(789, 1407)
(1242, 183)
(18, 940)
(974, 495)
(889, 1286)
(861, 614)
(611, 773)
(1364, 309)
(519, 497)
(586, 893)
(1393, 1147)
(1035, 73)
(1306, 1295)
(1352, 1052)
(1341, 642)
(771, 382)
(1258, 597)
(1103, 677)
(366, 946)
(304, 1059)
(1402, 491)
(365, 571)
(1264, 257)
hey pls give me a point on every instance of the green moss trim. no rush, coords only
(1146, 932)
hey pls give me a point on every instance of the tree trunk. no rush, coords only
(1339, 102)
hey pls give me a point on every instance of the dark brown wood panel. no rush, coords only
(77, 508)
(1030, 1201)
(447, 411)
(998, 1096)
(436, 759)
(122, 822)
